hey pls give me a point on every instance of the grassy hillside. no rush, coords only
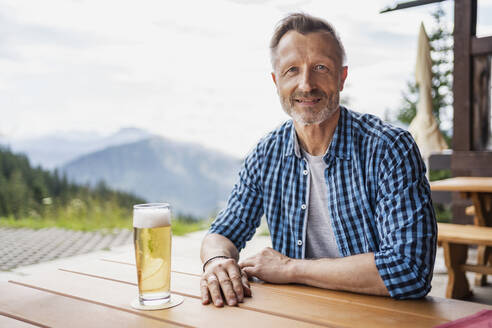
(37, 198)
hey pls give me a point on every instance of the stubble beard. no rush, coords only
(308, 116)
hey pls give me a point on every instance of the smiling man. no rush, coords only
(344, 194)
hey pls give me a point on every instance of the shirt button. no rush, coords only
(303, 206)
(299, 242)
(305, 172)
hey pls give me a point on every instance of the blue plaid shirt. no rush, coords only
(378, 199)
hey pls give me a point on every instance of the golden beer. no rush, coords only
(152, 239)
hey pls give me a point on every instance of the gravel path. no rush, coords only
(21, 247)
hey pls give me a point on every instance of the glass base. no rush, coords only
(173, 301)
(151, 299)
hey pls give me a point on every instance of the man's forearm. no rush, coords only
(215, 244)
(357, 273)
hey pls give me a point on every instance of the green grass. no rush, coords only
(443, 211)
(96, 216)
(76, 216)
(179, 227)
(263, 228)
(182, 227)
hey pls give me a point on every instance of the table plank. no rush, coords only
(479, 190)
(324, 310)
(464, 184)
(46, 309)
(430, 306)
(118, 295)
(433, 307)
(460, 234)
(14, 323)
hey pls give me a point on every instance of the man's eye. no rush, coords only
(320, 68)
(292, 70)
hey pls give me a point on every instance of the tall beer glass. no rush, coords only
(152, 239)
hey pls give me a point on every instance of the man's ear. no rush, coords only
(274, 78)
(343, 76)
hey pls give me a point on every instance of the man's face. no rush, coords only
(309, 76)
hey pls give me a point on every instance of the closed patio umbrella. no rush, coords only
(423, 127)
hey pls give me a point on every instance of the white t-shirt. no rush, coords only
(320, 239)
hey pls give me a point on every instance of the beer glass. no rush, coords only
(152, 239)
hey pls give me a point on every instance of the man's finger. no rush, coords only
(250, 261)
(214, 288)
(245, 283)
(204, 291)
(235, 276)
(227, 288)
(250, 270)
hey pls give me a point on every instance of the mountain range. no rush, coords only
(193, 179)
(53, 150)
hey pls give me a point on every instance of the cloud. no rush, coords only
(250, 2)
(390, 38)
(12, 32)
(7, 53)
(292, 5)
(171, 24)
(484, 24)
(197, 75)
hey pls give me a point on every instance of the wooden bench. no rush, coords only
(455, 239)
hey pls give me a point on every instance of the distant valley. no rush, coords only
(195, 180)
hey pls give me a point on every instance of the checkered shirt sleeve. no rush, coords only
(239, 220)
(406, 221)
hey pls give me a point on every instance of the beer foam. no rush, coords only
(151, 217)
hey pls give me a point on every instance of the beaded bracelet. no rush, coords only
(213, 258)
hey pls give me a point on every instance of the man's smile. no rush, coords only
(307, 101)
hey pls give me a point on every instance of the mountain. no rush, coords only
(193, 179)
(54, 150)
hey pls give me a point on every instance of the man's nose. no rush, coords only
(306, 81)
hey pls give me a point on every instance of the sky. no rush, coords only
(188, 70)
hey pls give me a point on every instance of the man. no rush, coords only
(344, 194)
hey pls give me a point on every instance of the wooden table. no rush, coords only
(98, 294)
(455, 239)
(479, 190)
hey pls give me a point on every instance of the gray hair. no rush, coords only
(304, 24)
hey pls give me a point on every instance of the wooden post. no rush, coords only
(483, 217)
(455, 256)
(465, 20)
(481, 102)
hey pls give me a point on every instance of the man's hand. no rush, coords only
(224, 278)
(269, 265)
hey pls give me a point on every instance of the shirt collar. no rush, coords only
(341, 144)
(292, 145)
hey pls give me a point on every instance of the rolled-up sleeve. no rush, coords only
(406, 221)
(240, 218)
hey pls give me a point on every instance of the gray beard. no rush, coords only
(323, 115)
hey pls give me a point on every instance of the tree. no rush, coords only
(25, 190)
(441, 44)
